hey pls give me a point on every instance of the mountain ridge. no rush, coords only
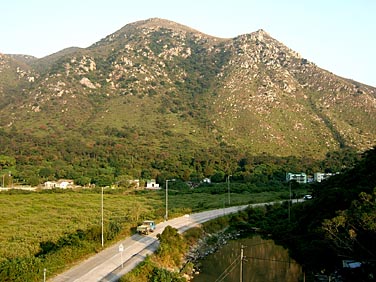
(158, 77)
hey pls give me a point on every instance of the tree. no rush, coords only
(46, 172)
(83, 181)
(163, 275)
(353, 231)
(124, 181)
(7, 162)
(103, 180)
(219, 176)
(33, 180)
(171, 247)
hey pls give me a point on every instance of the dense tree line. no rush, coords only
(119, 155)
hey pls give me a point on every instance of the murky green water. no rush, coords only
(264, 261)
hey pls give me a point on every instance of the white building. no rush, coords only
(298, 177)
(320, 176)
(152, 184)
(61, 183)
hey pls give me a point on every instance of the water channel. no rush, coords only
(263, 261)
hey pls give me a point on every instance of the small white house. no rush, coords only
(152, 184)
(61, 183)
(65, 183)
(206, 180)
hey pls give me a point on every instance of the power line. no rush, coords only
(235, 263)
(242, 258)
(232, 266)
(273, 260)
(228, 270)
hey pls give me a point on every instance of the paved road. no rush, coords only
(110, 264)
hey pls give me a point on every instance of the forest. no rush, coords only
(30, 160)
(339, 223)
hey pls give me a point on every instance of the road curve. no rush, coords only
(110, 264)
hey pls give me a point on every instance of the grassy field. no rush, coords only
(28, 219)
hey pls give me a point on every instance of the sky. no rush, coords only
(336, 35)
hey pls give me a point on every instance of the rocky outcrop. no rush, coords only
(250, 92)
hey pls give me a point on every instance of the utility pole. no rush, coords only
(228, 189)
(44, 274)
(121, 250)
(166, 214)
(224, 202)
(290, 200)
(241, 263)
(102, 217)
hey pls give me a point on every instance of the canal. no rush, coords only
(263, 260)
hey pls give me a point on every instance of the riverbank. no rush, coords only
(178, 255)
(175, 257)
(207, 245)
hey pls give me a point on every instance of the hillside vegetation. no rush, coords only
(157, 98)
(337, 224)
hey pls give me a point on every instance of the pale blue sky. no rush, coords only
(337, 35)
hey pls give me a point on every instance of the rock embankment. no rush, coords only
(207, 245)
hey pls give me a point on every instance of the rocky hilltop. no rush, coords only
(163, 85)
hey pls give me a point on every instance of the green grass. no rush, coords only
(28, 219)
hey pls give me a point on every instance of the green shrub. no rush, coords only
(193, 234)
(172, 246)
(163, 275)
(216, 225)
(21, 269)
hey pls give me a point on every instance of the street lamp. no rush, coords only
(102, 217)
(228, 188)
(166, 214)
(289, 200)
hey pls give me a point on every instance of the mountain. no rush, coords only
(163, 86)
